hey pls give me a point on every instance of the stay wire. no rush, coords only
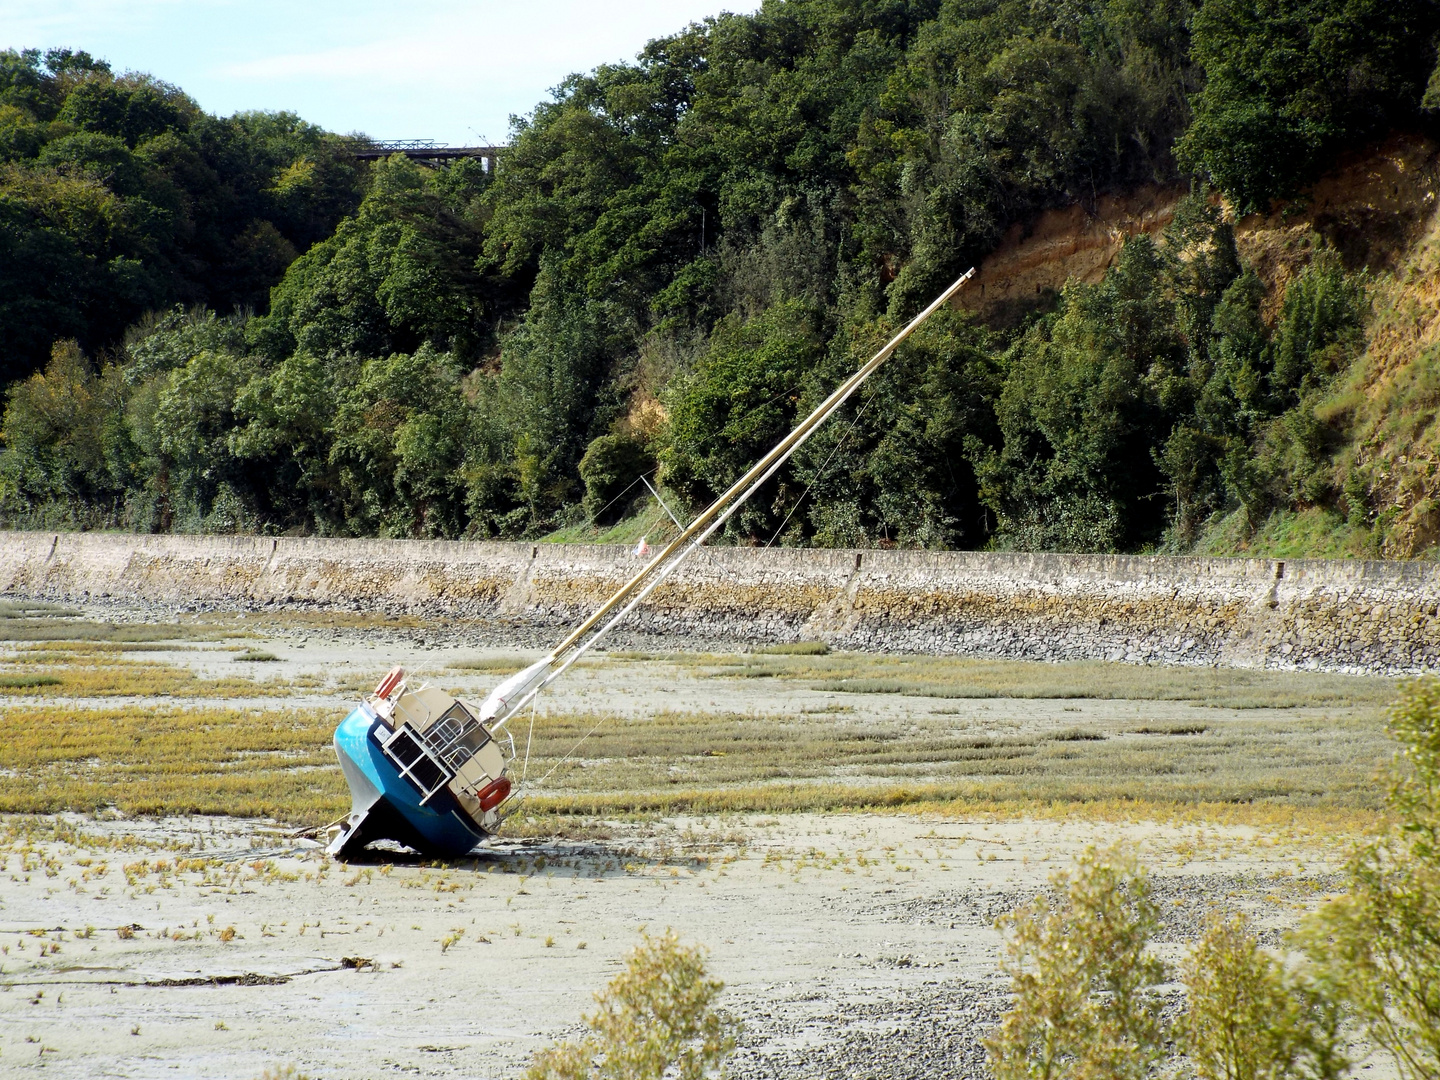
(599, 723)
(825, 465)
(571, 752)
(529, 739)
(651, 472)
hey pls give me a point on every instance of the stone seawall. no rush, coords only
(1345, 616)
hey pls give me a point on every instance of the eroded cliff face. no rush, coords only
(1060, 246)
(1339, 616)
(1380, 209)
(1376, 207)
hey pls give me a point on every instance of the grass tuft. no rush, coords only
(1076, 735)
(796, 648)
(491, 663)
(25, 682)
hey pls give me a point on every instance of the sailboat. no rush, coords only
(429, 771)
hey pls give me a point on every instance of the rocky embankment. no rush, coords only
(1343, 616)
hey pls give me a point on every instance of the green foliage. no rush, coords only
(118, 196)
(1287, 82)
(1156, 400)
(896, 464)
(547, 399)
(1003, 108)
(1118, 410)
(65, 443)
(657, 1018)
(399, 446)
(1080, 409)
(1318, 334)
(1415, 724)
(1248, 1018)
(397, 274)
(1084, 1003)
(739, 400)
(1380, 944)
(611, 466)
(726, 226)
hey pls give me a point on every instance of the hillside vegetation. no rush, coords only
(679, 255)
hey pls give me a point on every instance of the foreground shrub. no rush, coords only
(1084, 1006)
(1248, 1018)
(1381, 943)
(656, 1018)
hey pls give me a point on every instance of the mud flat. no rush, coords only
(851, 945)
(1351, 616)
(840, 828)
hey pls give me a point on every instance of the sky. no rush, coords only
(448, 70)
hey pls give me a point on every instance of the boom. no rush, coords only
(520, 689)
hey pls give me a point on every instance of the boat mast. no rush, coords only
(516, 692)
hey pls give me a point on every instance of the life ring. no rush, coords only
(388, 684)
(494, 793)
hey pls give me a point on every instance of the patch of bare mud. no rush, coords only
(851, 945)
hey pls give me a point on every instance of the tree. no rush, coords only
(65, 442)
(1289, 82)
(119, 196)
(610, 468)
(896, 465)
(740, 399)
(657, 1018)
(399, 446)
(397, 275)
(1081, 407)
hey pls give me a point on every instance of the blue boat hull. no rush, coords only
(384, 806)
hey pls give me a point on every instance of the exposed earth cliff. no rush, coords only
(1378, 209)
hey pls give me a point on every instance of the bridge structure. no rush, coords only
(426, 151)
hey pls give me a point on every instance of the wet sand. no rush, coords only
(851, 945)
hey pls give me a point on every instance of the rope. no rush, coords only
(570, 753)
(622, 494)
(650, 472)
(529, 738)
(843, 440)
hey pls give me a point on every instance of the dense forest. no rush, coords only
(228, 324)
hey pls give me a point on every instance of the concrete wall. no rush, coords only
(1351, 616)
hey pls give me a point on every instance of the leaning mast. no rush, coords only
(426, 769)
(519, 690)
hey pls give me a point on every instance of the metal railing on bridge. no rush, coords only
(423, 150)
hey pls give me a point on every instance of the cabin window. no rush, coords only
(457, 736)
(417, 764)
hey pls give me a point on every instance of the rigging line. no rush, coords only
(622, 494)
(642, 584)
(525, 768)
(843, 440)
(650, 472)
(570, 753)
(662, 504)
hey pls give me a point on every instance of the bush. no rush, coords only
(657, 1018)
(610, 469)
(1247, 1018)
(1084, 1003)
(1380, 944)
